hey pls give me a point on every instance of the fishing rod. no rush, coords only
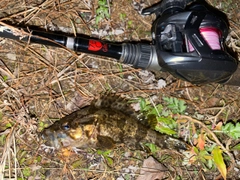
(188, 42)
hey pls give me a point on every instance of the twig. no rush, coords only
(219, 112)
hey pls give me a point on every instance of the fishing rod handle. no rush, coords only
(138, 55)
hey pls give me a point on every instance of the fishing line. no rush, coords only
(211, 36)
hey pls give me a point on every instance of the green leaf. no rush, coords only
(165, 113)
(145, 106)
(159, 107)
(165, 130)
(99, 11)
(123, 16)
(26, 171)
(104, 153)
(100, 152)
(167, 121)
(210, 163)
(2, 139)
(172, 106)
(5, 78)
(175, 105)
(165, 99)
(227, 127)
(38, 159)
(109, 161)
(142, 103)
(127, 177)
(107, 152)
(175, 101)
(102, 2)
(8, 125)
(105, 12)
(195, 149)
(153, 148)
(218, 160)
(98, 19)
(22, 161)
(204, 156)
(154, 111)
(232, 130)
(77, 164)
(182, 106)
(129, 24)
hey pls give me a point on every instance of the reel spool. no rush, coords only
(211, 36)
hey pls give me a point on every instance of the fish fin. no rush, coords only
(152, 121)
(177, 144)
(149, 121)
(114, 102)
(105, 142)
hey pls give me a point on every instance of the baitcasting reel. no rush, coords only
(188, 41)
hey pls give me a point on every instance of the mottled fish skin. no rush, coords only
(108, 121)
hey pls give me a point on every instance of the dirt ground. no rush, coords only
(40, 84)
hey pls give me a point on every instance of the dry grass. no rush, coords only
(40, 84)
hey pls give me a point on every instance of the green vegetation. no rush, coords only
(165, 118)
(102, 12)
(106, 156)
(159, 117)
(232, 130)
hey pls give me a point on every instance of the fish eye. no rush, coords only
(65, 127)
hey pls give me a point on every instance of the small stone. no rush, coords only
(11, 56)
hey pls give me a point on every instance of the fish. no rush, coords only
(107, 122)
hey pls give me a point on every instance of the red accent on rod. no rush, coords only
(94, 45)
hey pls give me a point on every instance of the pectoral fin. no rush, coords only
(105, 142)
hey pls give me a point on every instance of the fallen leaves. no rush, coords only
(152, 170)
(218, 159)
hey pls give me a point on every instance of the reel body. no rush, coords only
(190, 42)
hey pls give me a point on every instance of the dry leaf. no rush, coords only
(219, 126)
(201, 142)
(151, 170)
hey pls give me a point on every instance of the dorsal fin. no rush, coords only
(114, 102)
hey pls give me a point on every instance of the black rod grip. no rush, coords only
(78, 44)
(97, 47)
(138, 55)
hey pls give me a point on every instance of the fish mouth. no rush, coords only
(50, 138)
(55, 139)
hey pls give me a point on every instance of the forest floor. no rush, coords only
(41, 84)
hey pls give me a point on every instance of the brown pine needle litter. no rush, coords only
(41, 84)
